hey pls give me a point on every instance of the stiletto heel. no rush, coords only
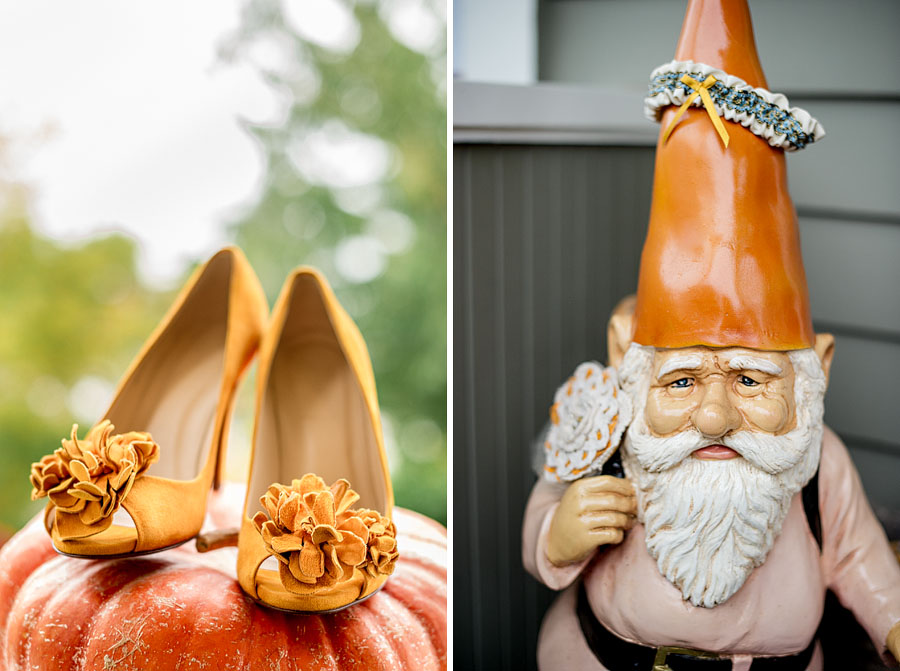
(161, 443)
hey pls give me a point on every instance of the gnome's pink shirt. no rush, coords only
(776, 611)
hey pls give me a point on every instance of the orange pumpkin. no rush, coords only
(180, 610)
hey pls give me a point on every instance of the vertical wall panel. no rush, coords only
(547, 240)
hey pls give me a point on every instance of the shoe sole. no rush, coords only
(123, 555)
(316, 612)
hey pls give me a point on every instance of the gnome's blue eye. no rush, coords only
(747, 382)
(683, 383)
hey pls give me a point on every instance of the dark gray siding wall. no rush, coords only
(805, 46)
(546, 240)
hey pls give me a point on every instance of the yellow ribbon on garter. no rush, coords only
(703, 91)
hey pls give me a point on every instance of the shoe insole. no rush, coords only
(314, 418)
(174, 392)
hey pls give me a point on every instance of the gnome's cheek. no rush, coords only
(665, 414)
(771, 414)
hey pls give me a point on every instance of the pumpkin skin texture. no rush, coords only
(180, 610)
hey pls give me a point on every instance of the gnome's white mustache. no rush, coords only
(769, 453)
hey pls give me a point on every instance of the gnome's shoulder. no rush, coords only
(838, 478)
(834, 453)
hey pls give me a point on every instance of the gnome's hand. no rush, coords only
(893, 641)
(593, 511)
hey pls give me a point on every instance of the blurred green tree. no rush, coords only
(69, 315)
(356, 185)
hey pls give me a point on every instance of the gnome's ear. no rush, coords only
(825, 350)
(620, 330)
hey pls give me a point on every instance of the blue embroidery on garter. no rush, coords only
(749, 102)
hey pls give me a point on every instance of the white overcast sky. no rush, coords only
(133, 122)
(123, 117)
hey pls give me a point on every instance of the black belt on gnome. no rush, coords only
(617, 654)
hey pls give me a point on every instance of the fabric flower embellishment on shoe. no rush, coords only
(588, 417)
(318, 538)
(382, 544)
(87, 480)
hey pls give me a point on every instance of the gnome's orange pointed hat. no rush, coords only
(721, 265)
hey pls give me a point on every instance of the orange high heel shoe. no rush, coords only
(154, 456)
(317, 422)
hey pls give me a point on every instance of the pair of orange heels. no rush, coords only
(316, 412)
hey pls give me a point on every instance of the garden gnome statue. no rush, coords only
(738, 508)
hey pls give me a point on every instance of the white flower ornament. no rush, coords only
(588, 417)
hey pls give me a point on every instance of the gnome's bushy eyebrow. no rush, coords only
(690, 362)
(745, 362)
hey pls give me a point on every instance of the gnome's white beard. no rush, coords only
(709, 523)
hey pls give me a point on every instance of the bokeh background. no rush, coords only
(136, 140)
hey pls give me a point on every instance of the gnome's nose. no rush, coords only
(716, 416)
